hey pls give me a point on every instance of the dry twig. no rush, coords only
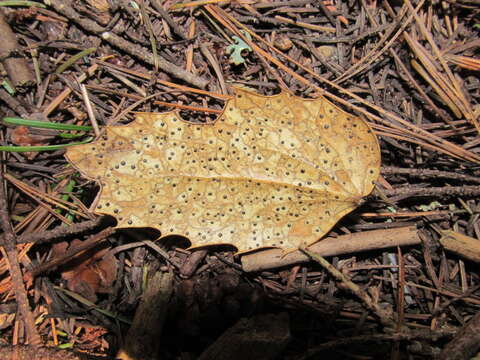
(15, 271)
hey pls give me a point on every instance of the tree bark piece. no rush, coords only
(142, 341)
(463, 245)
(465, 344)
(260, 337)
(330, 246)
(16, 67)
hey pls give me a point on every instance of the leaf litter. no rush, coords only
(275, 171)
(427, 153)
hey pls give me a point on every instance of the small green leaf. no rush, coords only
(7, 86)
(430, 207)
(235, 50)
(391, 209)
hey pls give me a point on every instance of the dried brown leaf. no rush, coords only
(275, 171)
(91, 272)
(21, 136)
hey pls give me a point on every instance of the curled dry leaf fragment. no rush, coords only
(90, 272)
(283, 42)
(276, 171)
(100, 9)
(22, 136)
(328, 51)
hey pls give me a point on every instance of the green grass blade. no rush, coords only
(13, 148)
(71, 136)
(73, 59)
(6, 84)
(45, 124)
(21, 3)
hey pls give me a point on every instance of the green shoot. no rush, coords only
(21, 3)
(45, 124)
(13, 148)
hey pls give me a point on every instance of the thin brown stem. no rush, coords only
(15, 272)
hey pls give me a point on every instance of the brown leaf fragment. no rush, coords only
(92, 272)
(272, 171)
(21, 136)
(100, 10)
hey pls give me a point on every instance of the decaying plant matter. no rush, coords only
(274, 171)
